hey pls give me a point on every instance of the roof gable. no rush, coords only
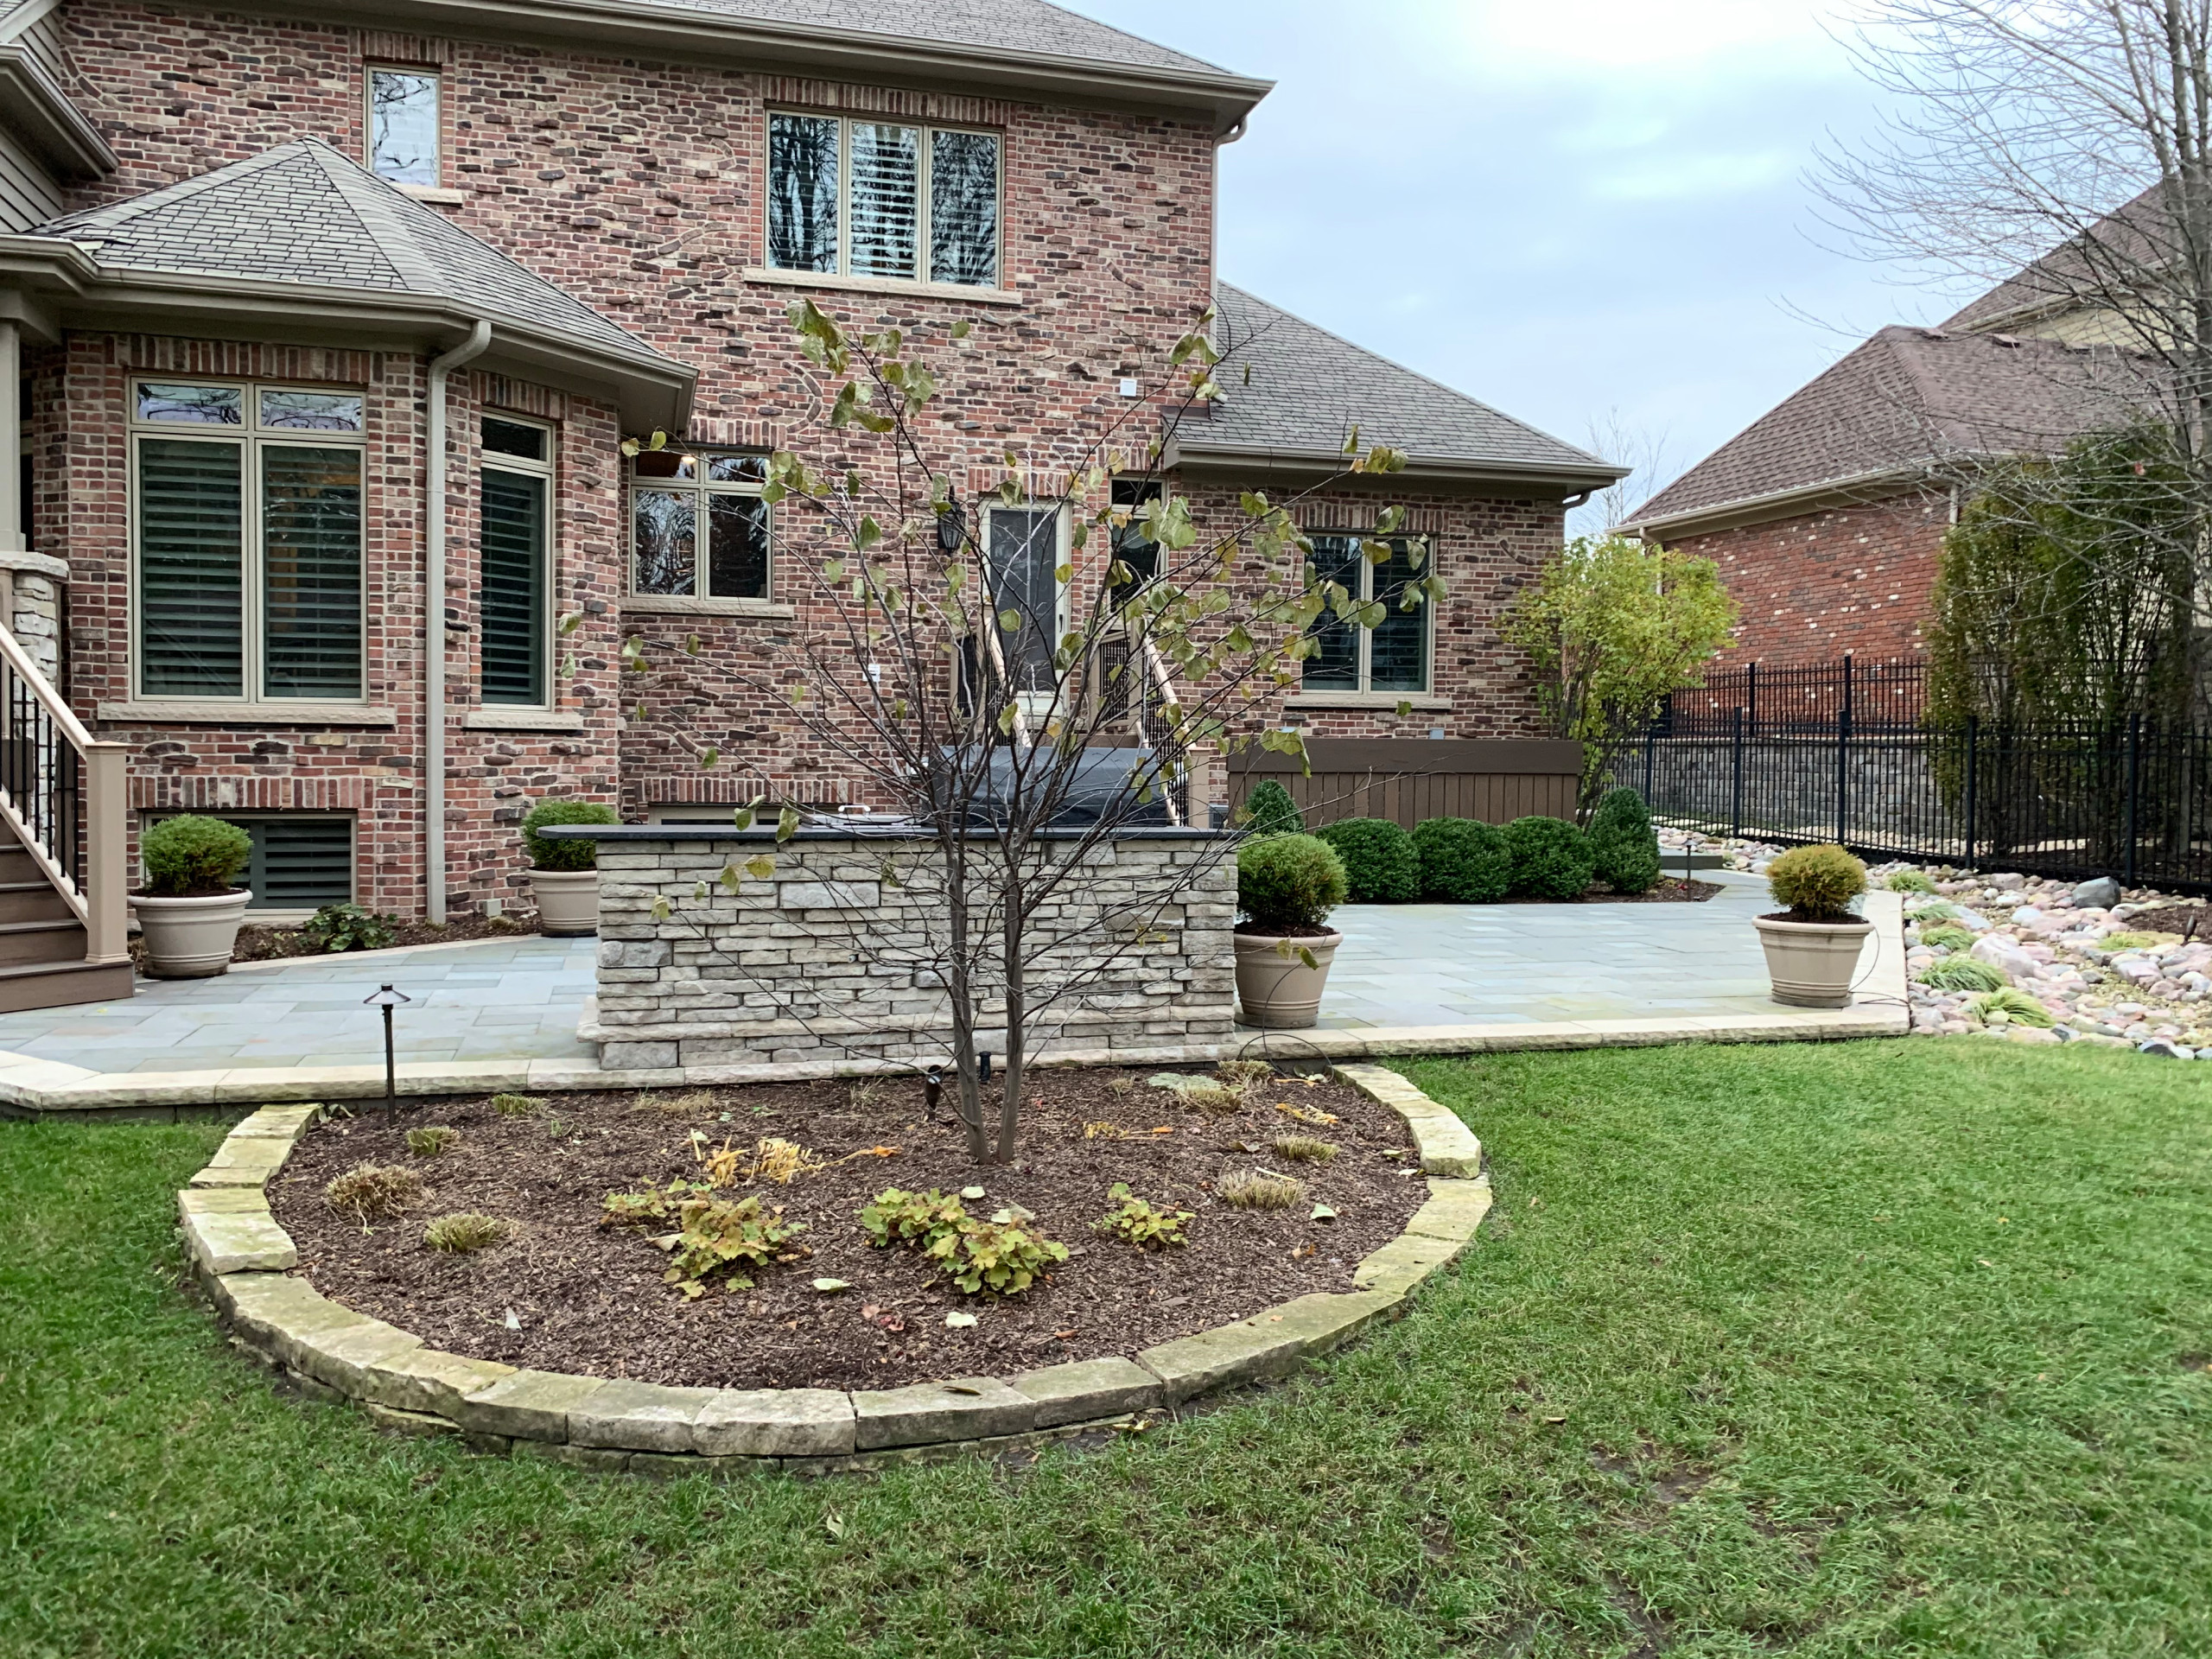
(1026, 26)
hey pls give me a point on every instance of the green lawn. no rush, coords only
(1875, 1348)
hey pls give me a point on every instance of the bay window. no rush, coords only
(698, 527)
(516, 509)
(863, 198)
(1392, 655)
(248, 542)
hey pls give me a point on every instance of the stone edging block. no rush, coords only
(243, 1257)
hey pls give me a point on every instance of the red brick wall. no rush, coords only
(1851, 579)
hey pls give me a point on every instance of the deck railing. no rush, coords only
(63, 794)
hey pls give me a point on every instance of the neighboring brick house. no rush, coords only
(253, 262)
(1827, 515)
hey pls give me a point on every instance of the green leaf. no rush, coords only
(760, 868)
(1005, 718)
(691, 646)
(962, 328)
(728, 878)
(572, 621)
(1010, 621)
(1405, 708)
(709, 756)
(744, 816)
(786, 824)
(662, 909)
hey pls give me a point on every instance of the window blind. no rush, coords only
(311, 564)
(514, 598)
(191, 564)
(886, 164)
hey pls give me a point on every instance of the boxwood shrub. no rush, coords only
(1462, 862)
(1623, 846)
(563, 855)
(192, 857)
(1551, 859)
(1270, 811)
(1288, 882)
(1381, 866)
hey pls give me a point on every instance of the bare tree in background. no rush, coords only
(1646, 453)
(2059, 153)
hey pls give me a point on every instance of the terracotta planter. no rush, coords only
(1812, 964)
(567, 902)
(190, 938)
(1279, 992)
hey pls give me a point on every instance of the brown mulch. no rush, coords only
(592, 1300)
(1670, 890)
(2190, 921)
(259, 944)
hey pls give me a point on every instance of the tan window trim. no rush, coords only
(773, 278)
(165, 711)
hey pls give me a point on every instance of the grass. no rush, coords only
(1884, 1348)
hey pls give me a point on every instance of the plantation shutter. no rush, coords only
(964, 208)
(885, 220)
(803, 192)
(191, 564)
(514, 587)
(311, 565)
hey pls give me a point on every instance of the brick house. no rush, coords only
(1827, 515)
(257, 267)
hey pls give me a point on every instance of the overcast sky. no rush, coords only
(1564, 207)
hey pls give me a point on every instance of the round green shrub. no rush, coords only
(563, 855)
(1288, 882)
(1817, 884)
(1462, 862)
(192, 857)
(1551, 859)
(1624, 847)
(1270, 811)
(1380, 864)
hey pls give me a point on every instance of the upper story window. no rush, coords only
(1135, 551)
(516, 582)
(854, 198)
(247, 541)
(1393, 655)
(403, 126)
(698, 527)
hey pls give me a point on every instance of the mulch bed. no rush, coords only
(592, 1300)
(259, 944)
(1670, 890)
(2191, 921)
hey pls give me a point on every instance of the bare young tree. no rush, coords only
(1024, 675)
(1648, 456)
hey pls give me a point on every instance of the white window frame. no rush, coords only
(923, 240)
(249, 438)
(699, 486)
(549, 470)
(1365, 637)
(370, 70)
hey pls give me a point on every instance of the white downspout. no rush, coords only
(433, 623)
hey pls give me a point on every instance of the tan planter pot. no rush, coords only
(1812, 964)
(567, 902)
(1278, 991)
(190, 938)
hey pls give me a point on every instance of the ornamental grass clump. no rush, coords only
(1259, 1189)
(517, 1105)
(1909, 881)
(1963, 973)
(1624, 847)
(1462, 862)
(1948, 938)
(1303, 1149)
(464, 1233)
(1381, 867)
(1816, 884)
(1287, 885)
(563, 855)
(1551, 859)
(1268, 811)
(373, 1192)
(433, 1141)
(2012, 1007)
(192, 857)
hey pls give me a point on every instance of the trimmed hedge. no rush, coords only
(1380, 864)
(563, 855)
(1624, 847)
(190, 857)
(1462, 862)
(1551, 859)
(1270, 811)
(1288, 881)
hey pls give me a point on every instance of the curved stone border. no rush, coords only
(244, 1259)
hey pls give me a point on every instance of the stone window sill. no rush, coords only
(1383, 700)
(151, 711)
(767, 610)
(523, 720)
(881, 285)
(433, 194)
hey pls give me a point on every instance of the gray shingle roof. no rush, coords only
(307, 213)
(1026, 26)
(1909, 397)
(1308, 388)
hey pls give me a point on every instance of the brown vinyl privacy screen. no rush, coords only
(1407, 779)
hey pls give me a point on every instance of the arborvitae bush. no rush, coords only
(1381, 867)
(1270, 811)
(1624, 847)
(1462, 862)
(1551, 859)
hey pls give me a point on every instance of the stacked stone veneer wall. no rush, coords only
(827, 967)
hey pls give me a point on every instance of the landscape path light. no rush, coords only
(388, 998)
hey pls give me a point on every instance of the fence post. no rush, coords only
(1843, 758)
(1974, 746)
(1736, 782)
(1651, 755)
(2134, 784)
(1752, 693)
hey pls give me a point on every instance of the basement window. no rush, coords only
(301, 861)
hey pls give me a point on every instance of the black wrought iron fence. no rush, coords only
(2133, 801)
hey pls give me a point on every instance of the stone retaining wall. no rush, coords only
(831, 965)
(244, 1259)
